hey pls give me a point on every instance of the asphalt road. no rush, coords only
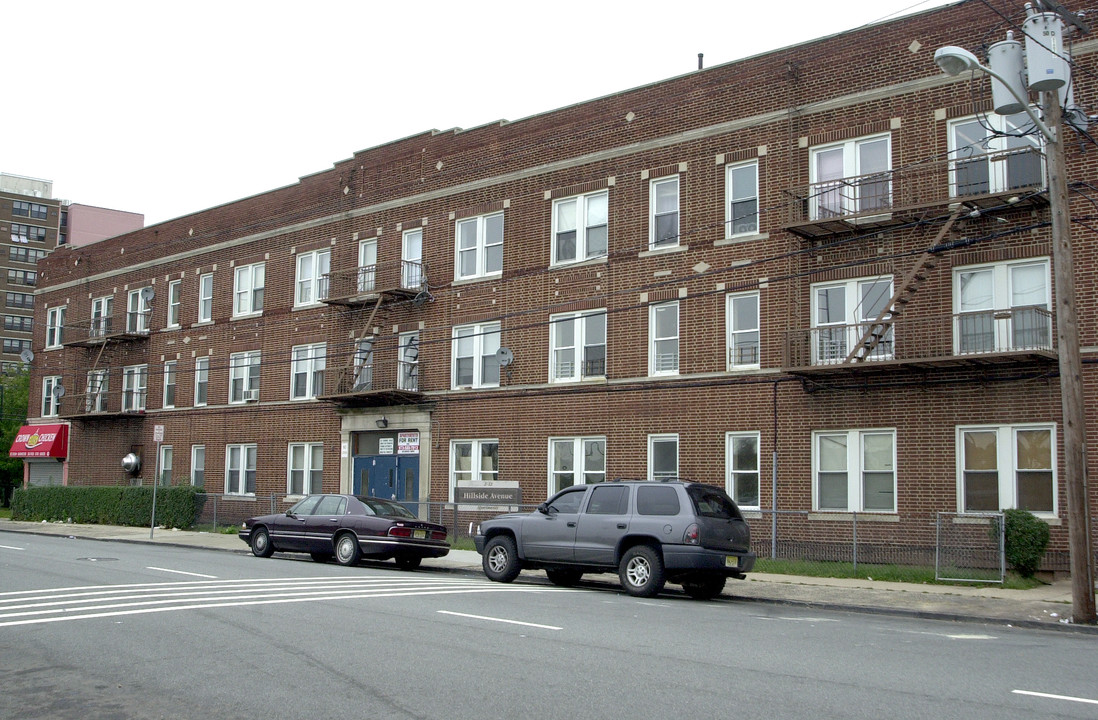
(102, 630)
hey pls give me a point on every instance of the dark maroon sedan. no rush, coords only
(348, 528)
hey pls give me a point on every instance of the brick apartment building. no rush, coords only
(725, 276)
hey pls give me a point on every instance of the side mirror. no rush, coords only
(543, 508)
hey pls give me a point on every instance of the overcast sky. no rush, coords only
(167, 109)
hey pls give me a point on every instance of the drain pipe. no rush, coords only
(774, 483)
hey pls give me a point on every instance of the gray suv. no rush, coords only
(649, 533)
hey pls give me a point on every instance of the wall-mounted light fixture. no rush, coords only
(383, 422)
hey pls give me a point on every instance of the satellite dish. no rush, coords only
(58, 391)
(421, 297)
(147, 294)
(504, 356)
(27, 356)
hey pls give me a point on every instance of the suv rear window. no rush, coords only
(713, 502)
(657, 500)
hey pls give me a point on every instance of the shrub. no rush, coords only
(1026, 538)
(176, 506)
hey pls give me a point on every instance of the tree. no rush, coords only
(14, 398)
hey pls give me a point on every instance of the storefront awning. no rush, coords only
(41, 441)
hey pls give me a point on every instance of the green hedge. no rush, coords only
(176, 507)
(1026, 540)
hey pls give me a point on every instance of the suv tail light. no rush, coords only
(692, 536)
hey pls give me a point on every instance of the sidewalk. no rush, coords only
(1046, 607)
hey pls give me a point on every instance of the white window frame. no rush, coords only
(138, 312)
(205, 298)
(175, 303)
(164, 466)
(55, 326)
(51, 405)
(482, 340)
(476, 475)
(663, 363)
(135, 387)
(837, 196)
(98, 385)
(309, 361)
(655, 212)
(662, 439)
(476, 237)
(1000, 138)
(577, 211)
(1006, 323)
(854, 469)
(244, 375)
(833, 336)
(306, 460)
(367, 266)
(563, 370)
(741, 186)
(738, 476)
(249, 282)
(201, 381)
(408, 362)
(411, 257)
(738, 340)
(102, 309)
(170, 384)
(364, 364)
(585, 470)
(1006, 453)
(198, 465)
(240, 462)
(312, 270)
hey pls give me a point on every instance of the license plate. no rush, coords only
(731, 561)
(419, 534)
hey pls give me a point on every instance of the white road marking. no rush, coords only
(182, 572)
(953, 636)
(1055, 697)
(500, 620)
(11, 547)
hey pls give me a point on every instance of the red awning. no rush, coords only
(41, 441)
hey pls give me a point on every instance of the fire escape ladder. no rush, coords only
(878, 329)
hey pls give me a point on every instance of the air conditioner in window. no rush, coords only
(251, 395)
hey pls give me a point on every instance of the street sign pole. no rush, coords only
(158, 436)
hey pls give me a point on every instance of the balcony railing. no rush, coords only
(103, 404)
(986, 336)
(360, 284)
(375, 381)
(107, 328)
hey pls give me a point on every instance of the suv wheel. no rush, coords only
(564, 578)
(641, 571)
(704, 587)
(501, 562)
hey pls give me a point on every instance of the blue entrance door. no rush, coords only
(393, 477)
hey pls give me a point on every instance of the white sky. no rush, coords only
(170, 108)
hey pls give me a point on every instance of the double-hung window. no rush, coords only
(580, 227)
(845, 312)
(855, 470)
(307, 371)
(248, 285)
(577, 346)
(411, 259)
(576, 461)
(991, 154)
(166, 457)
(473, 463)
(198, 465)
(201, 380)
(663, 339)
(742, 461)
(663, 203)
(175, 300)
(312, 277)
(364, 364)
(101, 311)
(663, 457)
(29, 209)
(50, 400)
(852, 177)
(742, 321)
(1002, 307)
(55, 326)
(169, 384)
(367, 266)
(479, 249)
(95, 399)
(135, 380)
(742, 199)
(244, 376)
(205, 297)
(137, 310)
(305, 463)
(240, 462)
(408, 363)
(1007, 466)
(474, 360)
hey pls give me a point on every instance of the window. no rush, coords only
(367, 265)
(307, 372)
(240, 469)
(23, 277)
(580, 228)
(843, 313)
(474, 355)
(312, 277)
(663, 223)
(244, 376)
(479, 250)
(306, 465)
(19, 323)
(198, 465)
(1007, 466)
(95, 401)
(137, 311)
(175, 289)
(742, 199)
(851, 177)
(19, 300)
(29, 209)
(742, 318)
(989, 156)
(663, 457)
(15, 347)
(134, 387)
(169, 384)
(165, 478)
(473, 462)
(248, 282)
(364, 364)
(201, 380)
(663, 339)
(1002, 307)
(205, 298)
(577, 346)
(855, 470)
(411, 255)
(25, 254)
(408, 363)
(742, 461)
(101, 311)
(25, 233)
(50, 401)
(55, 326)
(576, 461)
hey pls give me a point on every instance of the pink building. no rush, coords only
(87, 223)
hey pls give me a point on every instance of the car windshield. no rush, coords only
(711, 502)
(386, 507)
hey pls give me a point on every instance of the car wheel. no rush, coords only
(408, 562)
(320, 557)
(347, 550)
(501, 562)
(261, 543)
(564, 578)
(704, 588)
(641, 571)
